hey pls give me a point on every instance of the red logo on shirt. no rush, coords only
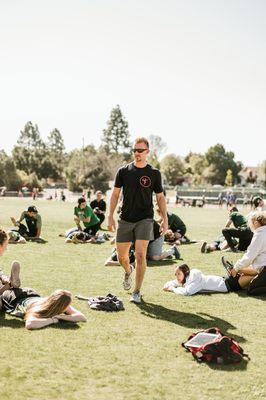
(145, 181)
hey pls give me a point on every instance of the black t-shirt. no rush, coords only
(101, 204)
(138, 185)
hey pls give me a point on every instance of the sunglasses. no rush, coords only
(139, 150)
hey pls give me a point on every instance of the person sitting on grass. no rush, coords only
(32, 230)
(5, 281)
(241, 231)
(99, 206)
(155, 248)
(83, 213)
(251, 268)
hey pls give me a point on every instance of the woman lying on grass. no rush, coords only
(191, 281)
(37, 311)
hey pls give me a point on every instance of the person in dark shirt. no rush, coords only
(33, 221)
(240, 231)
(99, 206)
(138, 180)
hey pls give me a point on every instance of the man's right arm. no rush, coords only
(112, 206)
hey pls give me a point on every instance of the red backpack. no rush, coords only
(219, 349)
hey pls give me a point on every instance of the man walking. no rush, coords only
(138, 180)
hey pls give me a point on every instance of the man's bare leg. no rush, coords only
(123, 255)
(140, 255)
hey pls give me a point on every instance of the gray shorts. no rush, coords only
(155, 248)
(131, 231)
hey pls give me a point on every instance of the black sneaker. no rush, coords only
(176, 252)
(203, 247)
(227, 265)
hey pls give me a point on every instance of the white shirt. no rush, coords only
(255, 256)
(198, 282)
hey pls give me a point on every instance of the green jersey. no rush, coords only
(86, 212)
(238, 220)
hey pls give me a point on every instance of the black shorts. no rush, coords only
(232, 284)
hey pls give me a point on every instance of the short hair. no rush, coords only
(80, 236)
(259, 216)
(81, 200)
(3, 237)
(256, 201)
(142, 139)
(233, 209)
(32, 209)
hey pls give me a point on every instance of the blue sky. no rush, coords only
(192, 72)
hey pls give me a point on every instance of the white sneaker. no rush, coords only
(135, 298)
(128, 279)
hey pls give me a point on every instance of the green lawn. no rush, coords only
(135, 354)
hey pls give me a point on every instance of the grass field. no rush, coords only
(135, 354)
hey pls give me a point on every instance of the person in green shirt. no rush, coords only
(83, 213)
(241, 231)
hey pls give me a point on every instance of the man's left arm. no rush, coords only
(163, 209)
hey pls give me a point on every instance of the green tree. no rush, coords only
(196, 164)
(9, 176)
(30, 150)
(173, 168)
(220, 161)
(116, 135)
(229, 178)
(54, 161)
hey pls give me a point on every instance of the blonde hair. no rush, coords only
(54, 304)
(142, 140)
(258, 216)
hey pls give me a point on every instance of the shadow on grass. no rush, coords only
(243, 293)
(188, 320)
(161, 263)
(242, 366)
(11, 323)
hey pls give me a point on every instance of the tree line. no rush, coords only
(36, 163)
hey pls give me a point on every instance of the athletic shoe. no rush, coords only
(203, 247)
(14, 276)
(135, 298)
(176, 252)
(128, 279)
(227, 265)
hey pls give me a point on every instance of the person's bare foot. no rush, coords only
(14, 276)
